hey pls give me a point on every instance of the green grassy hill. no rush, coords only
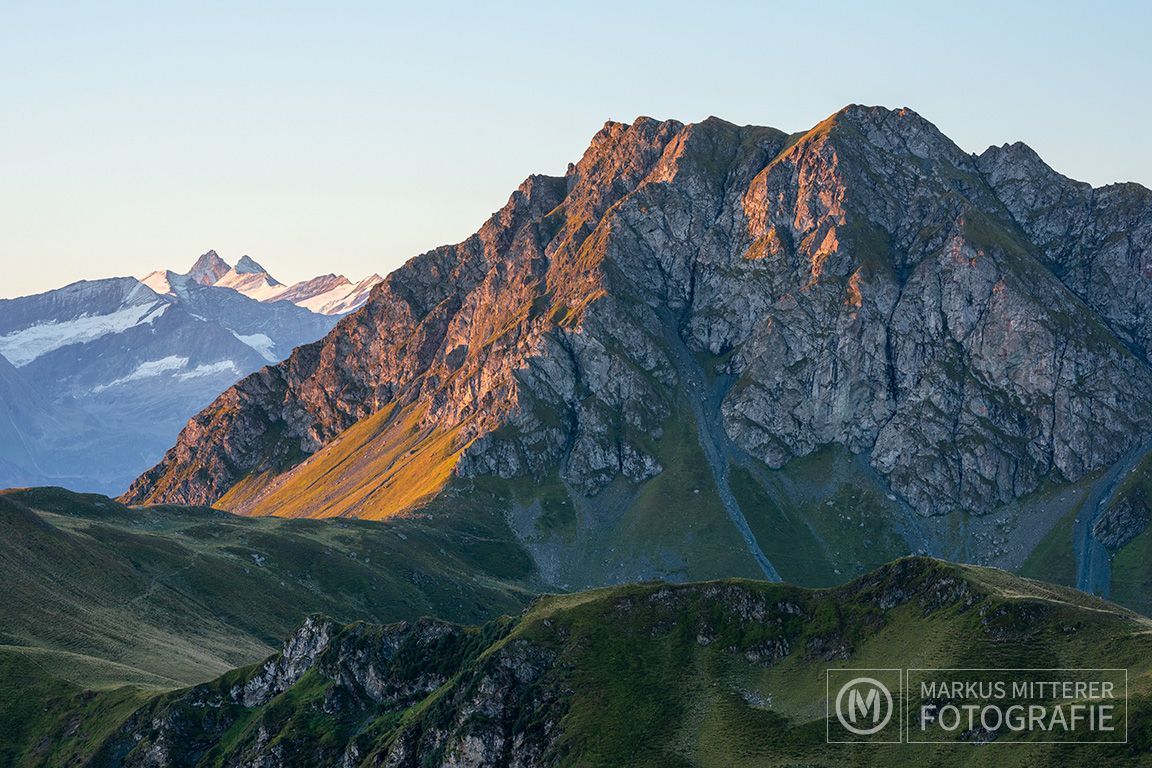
(97, 596)
(724, 673)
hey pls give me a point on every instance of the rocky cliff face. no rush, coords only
(344, 686)
(970, 326)
(1097, 241)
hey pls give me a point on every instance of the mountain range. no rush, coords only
(329, 294)
(98, 377)
(712, 350)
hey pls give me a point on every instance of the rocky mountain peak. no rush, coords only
(208, 268)
(1018, 163)
(866, 285)
(248, 266)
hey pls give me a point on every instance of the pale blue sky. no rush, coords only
(350, 136)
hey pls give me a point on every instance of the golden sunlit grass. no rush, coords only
(246, 492)
(382, 466)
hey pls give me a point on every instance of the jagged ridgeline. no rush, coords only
(711, 350)
(726, 674)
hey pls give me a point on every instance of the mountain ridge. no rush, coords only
(726, 672)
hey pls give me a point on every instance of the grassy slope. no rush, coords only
(820, 521)
(1132, 574)
(98, 594)
(1054, 558)
(830, 524)
(377, 468)
(656, 675)
(36, 705)
(707, 706)
(1132, 565)
(671, 527)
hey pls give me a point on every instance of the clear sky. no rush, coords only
(350, 136)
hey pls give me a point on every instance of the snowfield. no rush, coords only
(210, 369)
(23, 346)
(260, 343)
(146, 370)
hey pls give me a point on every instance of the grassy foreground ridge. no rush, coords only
(725, 673)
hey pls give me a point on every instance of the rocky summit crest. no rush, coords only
(248, 266)
(208, 268)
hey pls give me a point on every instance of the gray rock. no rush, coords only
(1127, 518)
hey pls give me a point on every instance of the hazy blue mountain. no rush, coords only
(99, 376)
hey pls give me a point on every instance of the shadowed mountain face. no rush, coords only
(97, 377)
(739, 324)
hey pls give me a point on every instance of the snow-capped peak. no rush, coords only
(157, 281)
(329, 294)
(250, 279)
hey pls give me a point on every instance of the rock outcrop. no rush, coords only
(346, 685)
(1126, 519)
